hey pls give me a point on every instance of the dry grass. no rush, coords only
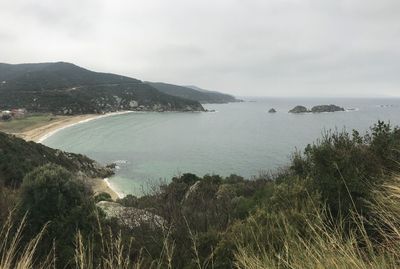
(16, 255)
(115, 253)
(325, 246)
(329, 246)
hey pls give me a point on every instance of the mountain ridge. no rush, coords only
(65, 88)
(193, 93)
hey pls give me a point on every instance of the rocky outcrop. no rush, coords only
(326, 108)
(129, 216)
(299, 109)
(317, 109)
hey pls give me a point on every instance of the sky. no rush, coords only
(321, 48)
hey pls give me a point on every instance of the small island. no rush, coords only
(317, 109)
(299, 109)
(272, 110)
(326, 108)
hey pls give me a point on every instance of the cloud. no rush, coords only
(252, 47)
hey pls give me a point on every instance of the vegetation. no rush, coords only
(335, 206)
(64, 88)
(30, 122)
(50, 195)
(195, 94)
(326, 108)
(316, 109)
(18, 158)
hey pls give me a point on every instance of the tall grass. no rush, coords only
(370, 243)
(14, 253)
(329, 245)
(114, 252)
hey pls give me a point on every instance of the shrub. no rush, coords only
(51, 195)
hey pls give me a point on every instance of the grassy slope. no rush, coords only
(27, 123)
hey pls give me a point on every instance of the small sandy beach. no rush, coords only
(99, 185)
(39, 134)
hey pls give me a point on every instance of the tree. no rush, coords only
(51, 194)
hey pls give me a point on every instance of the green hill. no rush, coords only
(194, 93)
(64, 88)
(18, 157)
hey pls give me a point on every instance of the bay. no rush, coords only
(239, 138)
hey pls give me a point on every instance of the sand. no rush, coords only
(99, 185)
(40, 133)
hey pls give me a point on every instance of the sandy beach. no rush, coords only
(41, 133)
(99, 185)
(37, 134)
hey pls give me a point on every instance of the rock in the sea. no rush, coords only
(317, 109)
(299, 109)
(272, 110)
(326, 108)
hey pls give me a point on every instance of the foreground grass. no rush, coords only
(326, 245)
(16, 255)
(332, 246)
(27, 123)
(336, 206)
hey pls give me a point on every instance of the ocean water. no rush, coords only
(239, 138)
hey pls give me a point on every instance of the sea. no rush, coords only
(149, 148)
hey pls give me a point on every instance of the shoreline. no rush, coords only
(44, 132)
(118, 194)
(40, 134)
(100, 185)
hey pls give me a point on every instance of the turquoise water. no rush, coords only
(240, 138)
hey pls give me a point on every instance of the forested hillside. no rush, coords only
(18, 158)
(64, 88)
(195, 94)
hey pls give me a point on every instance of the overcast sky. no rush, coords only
(242, 47)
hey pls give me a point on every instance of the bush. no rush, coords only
(51, 195)
(103, 196)
(344, 168)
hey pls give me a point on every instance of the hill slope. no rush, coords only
(18, 157)
(193, 93)
(64, 88)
